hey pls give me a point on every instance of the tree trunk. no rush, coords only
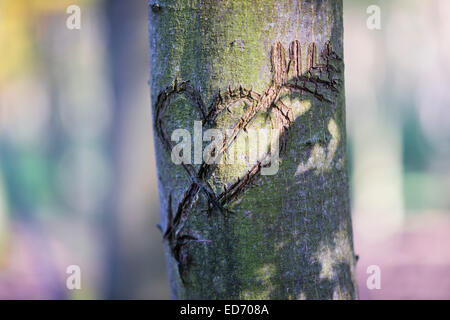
(256, 227)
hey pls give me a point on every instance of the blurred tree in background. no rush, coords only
(76, 167)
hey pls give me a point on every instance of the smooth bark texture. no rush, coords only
(230, 232)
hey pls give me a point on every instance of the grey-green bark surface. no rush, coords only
(228, 231)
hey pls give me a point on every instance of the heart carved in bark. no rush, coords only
(287, 77)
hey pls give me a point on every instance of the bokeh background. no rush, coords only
(77, 170)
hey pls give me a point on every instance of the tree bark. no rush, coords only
(229, 231)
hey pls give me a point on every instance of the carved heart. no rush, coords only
(267, 101)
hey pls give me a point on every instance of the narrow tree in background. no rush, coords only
(229, 230)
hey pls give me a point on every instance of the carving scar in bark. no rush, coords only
(287, 77)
